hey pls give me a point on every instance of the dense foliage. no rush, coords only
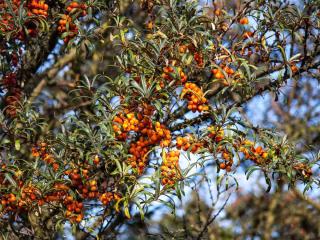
(109, 107)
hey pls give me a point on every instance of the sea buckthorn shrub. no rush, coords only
(166, 109)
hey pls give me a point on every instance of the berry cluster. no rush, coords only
(38, 8)
(15, 4)
(107, 197)
(183, 48)
(93, 189)
(168, 74)
(147, 133)
(218, 73)
(9, 81)
(170, 170)
(150, 136)
(66, 23)
(124, 123)
(228, 160)
(257, 155)
(185, 143)
(74, 209)
(41, 150)
(13, 95)
(215, 133)
(7, 18)
(29, 195)
(183, 76)
(199, 59)
(19, 201)
(195, 97)
(59, 194)
(79, 181)
(9, 202)
(75, 6)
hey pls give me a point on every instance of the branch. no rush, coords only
(213, 218)
(270, 86)
(306, 199)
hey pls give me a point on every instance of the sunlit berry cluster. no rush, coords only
(38, 8)
(188, 143)
(143, 132)
(108, 197)
(227, 160)
(170, 169)
(256, 154)
(195, 97)
(151, 135)
(215, 133)
(124, 123)
(35, 8)
(29, 196)
(218, 73)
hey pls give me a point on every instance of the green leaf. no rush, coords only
(268, 181)
(17, 145)
(250, 170)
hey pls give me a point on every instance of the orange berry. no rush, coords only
(217, 12)
(222, 166)
(247, 34)
(74, 5)
(219, 75)
(294, 68)
(244, 21)
(62, 22)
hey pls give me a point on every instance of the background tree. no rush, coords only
(109, 107)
